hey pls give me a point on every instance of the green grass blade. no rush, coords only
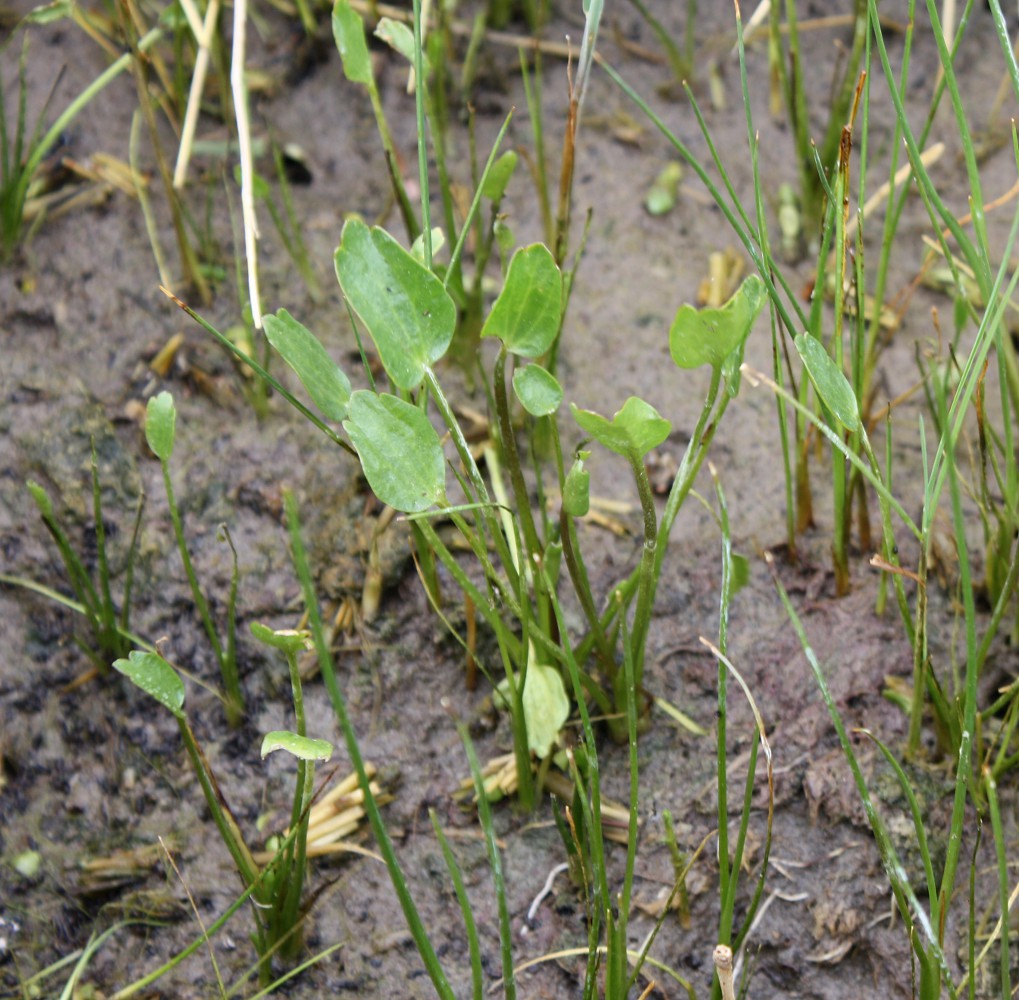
(410, 911)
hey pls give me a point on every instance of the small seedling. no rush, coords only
(160, 432)
(108, 624)
(276, 889)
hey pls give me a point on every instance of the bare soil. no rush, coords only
(90, 769)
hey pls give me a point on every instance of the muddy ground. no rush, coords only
(90, 769)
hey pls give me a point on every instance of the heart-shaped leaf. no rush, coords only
(830, 384)
(155, 677)
(407, 312)
(400, 452)
(328, 387)
(348, 33)
(527, 313)
(708, 336)
(302, 747)
(538, 390)
(632, 432)
(160, 421)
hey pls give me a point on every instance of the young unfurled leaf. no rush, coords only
(499, 176)
(160, 421)
(538, 390)
(709, 336)
(417, 248)
(399, 37)
(632, 432)
(546, 707)
(577, 488)
(288, 640)
(41, 498)
(400, 452)
(155, 677)
(662, 195)
(407, 312)
(328, 387)
(302, 747)
(830, 384)
(527, 313)
(348, 32)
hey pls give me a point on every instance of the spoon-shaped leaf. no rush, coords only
(830, 384)
(328, 387)
(160, 422)
(527, 313)
(708, 336)
(404, 306)
(348, 32)
(302, 747)
(632, 432)
(155, 677)
(538, 390)
(400, 452)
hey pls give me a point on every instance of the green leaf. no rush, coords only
(577, 488)
(259, 185)
(328, 387)
(399, 37)
(348, 32)
(155, 677)
(830, 384)
(160, 420)
(663, 193)
(527, 313)
(49, 13)
(288, 640)
(546, 707)
(404, 306)
(708, 336)
(499, 176)
(41, 498)
(417, 248)
(302, 747)
(400, 452)
(505, 238)
(740, 572)
(538, 390)
(632, 432)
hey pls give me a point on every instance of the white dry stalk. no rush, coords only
(722, 957)
(240, 95)
(203, 36)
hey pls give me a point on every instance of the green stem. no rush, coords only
(648, 577)
(385, 844)
(196, 591)
(225, 823)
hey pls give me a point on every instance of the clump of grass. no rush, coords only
(22, 154)
(108, 619)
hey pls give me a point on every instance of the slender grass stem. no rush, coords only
(410, 911)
